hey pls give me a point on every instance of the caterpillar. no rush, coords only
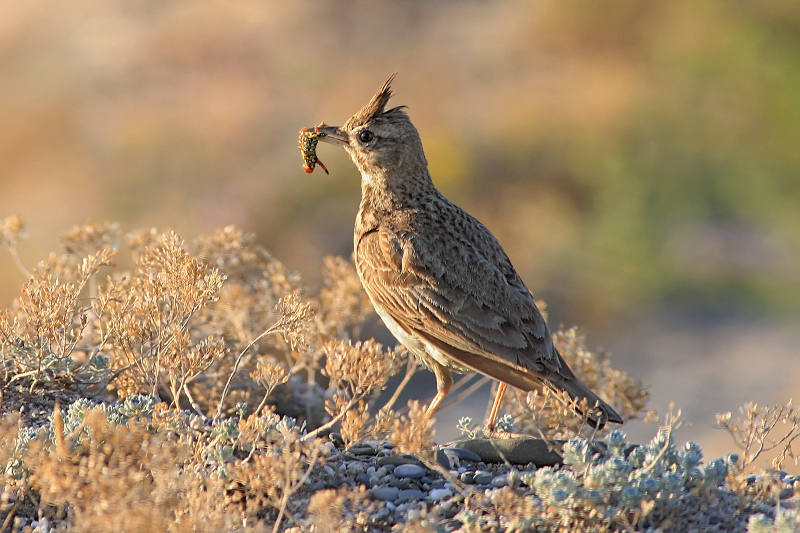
(309, 137)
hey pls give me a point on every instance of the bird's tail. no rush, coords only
(600, 413)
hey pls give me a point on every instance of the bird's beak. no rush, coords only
(333, 135)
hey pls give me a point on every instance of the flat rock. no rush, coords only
(520, 451)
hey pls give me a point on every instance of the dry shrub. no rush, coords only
(356, 372)
(39, 333)
(763, 430)
(107, 477)
(269, 478)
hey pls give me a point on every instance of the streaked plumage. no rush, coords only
(437, 277)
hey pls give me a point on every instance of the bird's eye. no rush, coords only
(366, 136)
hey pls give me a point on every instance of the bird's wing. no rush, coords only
(459, 300)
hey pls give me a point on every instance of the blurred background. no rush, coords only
(638, 160)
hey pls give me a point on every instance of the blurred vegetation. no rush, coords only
(626, 154)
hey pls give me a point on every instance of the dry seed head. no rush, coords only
(354, 424)
(91, 238)
(294, 321)
(363, 367)
(270, 375)
(12, 228)
(414, 434)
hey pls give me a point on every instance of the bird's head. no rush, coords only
(380, 142)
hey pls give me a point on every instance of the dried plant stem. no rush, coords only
(191, 401)
(411, 369)
(17, 261)
(352, 403)
(672, 423)
(290, 490)
(225, 390)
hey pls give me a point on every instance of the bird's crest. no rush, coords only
(375, 106)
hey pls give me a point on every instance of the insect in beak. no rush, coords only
(309, 137)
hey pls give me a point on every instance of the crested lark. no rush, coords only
(437, 277)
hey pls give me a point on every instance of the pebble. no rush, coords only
(409, 470)
(329, 448)
(381, 514)
(410, 495)
(500, 481)
(389, 494)
(398, 460)
(438, 484)
(336, 438)
(464, 455)
(483, 477)
(446, 461)
(438, 494)
(362, 450)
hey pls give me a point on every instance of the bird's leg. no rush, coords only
(444, 380)
(492, 418)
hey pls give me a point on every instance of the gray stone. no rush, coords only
(483, 478)
(381, 514)
(438, 484)
(409, 470)
(464, 455)
(439, 494)
(410, 495)
(388, 494)
(362, 449)
(398, 460)
(444, 460)
(500, 481)
(518, 451)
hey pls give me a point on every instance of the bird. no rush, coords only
(437, 277)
